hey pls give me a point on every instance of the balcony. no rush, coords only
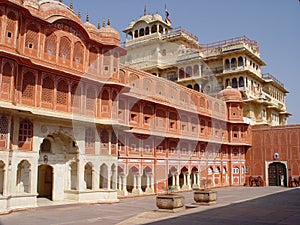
(270, 77)
(230, 44)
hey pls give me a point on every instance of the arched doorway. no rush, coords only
(277, 174)
(45, 181)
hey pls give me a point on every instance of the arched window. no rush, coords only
(147, 31)
(190, 86)
(88, 177)
(62, 93)
(11, 27)
(160, 29)
(25, 132)
(210, 170)
(196, 87)
(50, 44)
(93, 58)
(121, 112)
(240, 61)
(78, 53)
(47, 90)
(105, 101)
(142, 32)
(6, 81)
(136, 33)
(104, 139)
(90, 99)
(65, 48)
(233, 63)
(189, 71)
(28, 86)
(227, 82)
(32, 37)
(3, 131)
(227, 64)
(154, 29)
(23, 177)
(76, 96)
(103, 176)
(89, 138)
(241, 81)
(234, 83)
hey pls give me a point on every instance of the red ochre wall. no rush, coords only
(266, 141)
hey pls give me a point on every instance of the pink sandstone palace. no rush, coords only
(76, 124)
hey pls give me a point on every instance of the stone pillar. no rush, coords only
(5, 184)
(184, 179)
(109, 178)
(152, 183)
(94, 180)
(177, 182)
(149, 188)
(124, 183)
(109, 141)
(189, 180)
(120, 183)
(139, 187)
(173, 180)
(198, 179)
(134, 181)
(80, 184)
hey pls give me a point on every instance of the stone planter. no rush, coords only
(170, 203)
(205, 197)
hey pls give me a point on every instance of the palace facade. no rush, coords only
(75, 124)
(175, 54)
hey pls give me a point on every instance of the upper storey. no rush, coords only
(49, 33)
(153, 27)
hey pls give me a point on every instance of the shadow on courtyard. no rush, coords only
(279, 208)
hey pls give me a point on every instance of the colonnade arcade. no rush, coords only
(60, 162)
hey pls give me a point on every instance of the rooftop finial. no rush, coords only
(103, 23)
(71, 4)
(145, 10)
(108, 21)
(79, 14)
(99, 25)
(87, 18)
(60, 0)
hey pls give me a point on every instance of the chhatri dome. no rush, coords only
(230, 94)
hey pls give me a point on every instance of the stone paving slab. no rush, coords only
(142, 210)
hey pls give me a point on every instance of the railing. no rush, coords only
(268, 76)
(237, 40)
(180, 30)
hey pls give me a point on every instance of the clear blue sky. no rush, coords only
(274, 24)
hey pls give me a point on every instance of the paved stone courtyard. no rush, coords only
(235, 205)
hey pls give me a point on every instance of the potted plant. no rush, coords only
(170, 202)
(205, 196)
